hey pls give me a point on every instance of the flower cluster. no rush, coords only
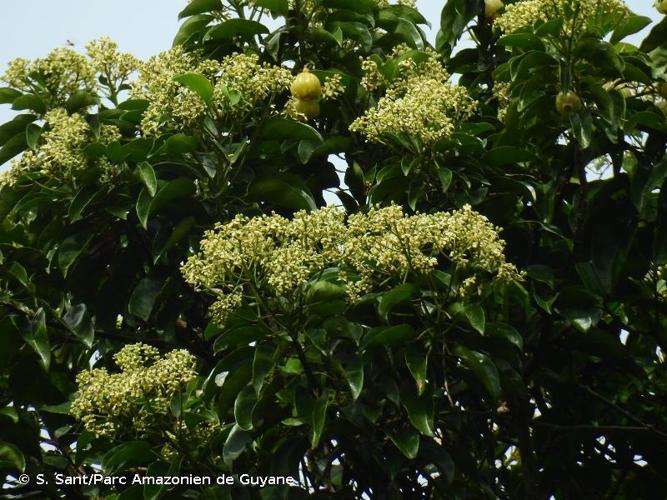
(578, 15)
(333, 87)
(276, 256)
(373, 78)
(61, 73)
(240, 82)
(114, 66)
(420, 102)
(135, 400)
(170, 103)
(60, 154)
(244, 76)
(65, 71)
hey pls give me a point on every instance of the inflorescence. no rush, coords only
(420, 101)
(135, 400)
(276, 256)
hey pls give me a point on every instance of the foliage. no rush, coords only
(483, 316)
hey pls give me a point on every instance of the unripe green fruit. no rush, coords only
(567, 103)
(310, 109)
(306, 86)
(661, 5)
(491, 8)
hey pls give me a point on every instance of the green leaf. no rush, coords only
(199, 84)
(629, 25)
(445, 175)
(82, 199)
(199, 7)
(280, 191)
(143, 298)
(354, 375)
(126, 455)
(355, 31)
(235, 444)
(475, 315)
(317, 420)
(143, 206)
(38, 339)
(79, 100)
(279, 7)
(360, 6)
(244, 406)
(389, 336)
(656, 38)
(147, 176)
(10, 413)
(31, 102)
(417, 362)
(32, 134)
(456, 14)
(11, 458)
(177, 144)
(181, 230)
(7, 95)
(420, 411)
(582, 126)
(526, 41)
(323, 36)
(168, 192)
(235, 28)
(407, 442)
(12, 147)
(508, 155)
(19, 272)
(305, 150)
(409, 33)
(15, 127)
(70, 249)
(405, 12)
(262, 364)
(483, 368)
(61, 409)
(506, 332)
(280, 129)
(192, 28)
(397, 295)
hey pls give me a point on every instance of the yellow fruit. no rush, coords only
(661, 5)
(491, 8)
(310, 109)
(306, 86)
(567, 103)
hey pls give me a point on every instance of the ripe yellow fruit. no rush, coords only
(567, 103)
(310, 109)
(306, 86)
(491, 8)
(661, 5)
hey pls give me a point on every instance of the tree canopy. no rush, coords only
(303, 243)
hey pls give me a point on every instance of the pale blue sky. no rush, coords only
(31, 28)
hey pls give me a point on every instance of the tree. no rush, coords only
(483, 315)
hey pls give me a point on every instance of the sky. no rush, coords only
(31, 28)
